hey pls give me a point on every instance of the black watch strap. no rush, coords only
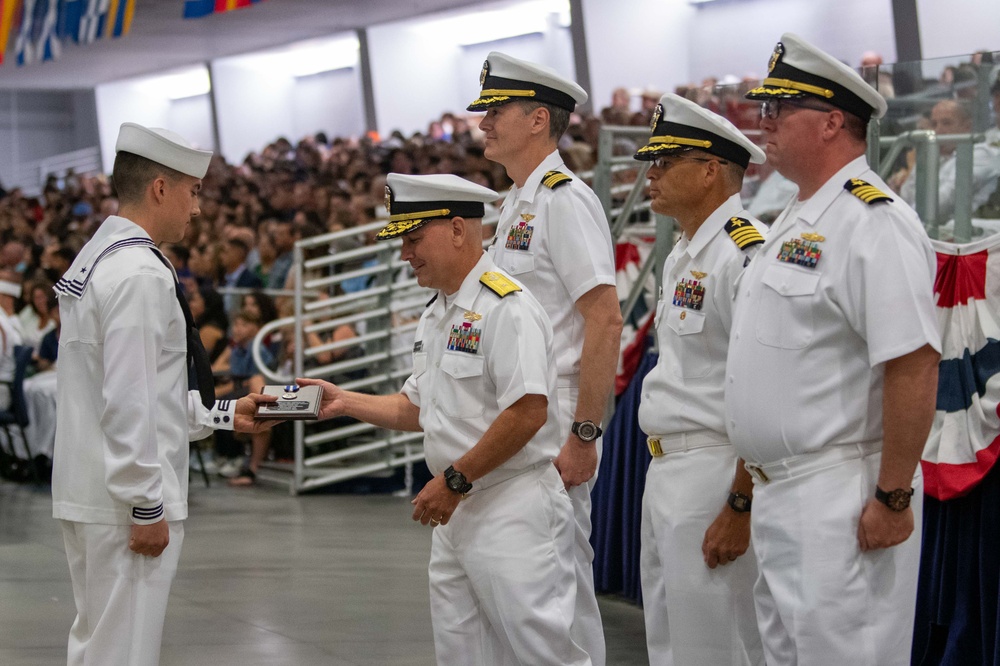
(456, 481)
(897, 500)
(739, 502)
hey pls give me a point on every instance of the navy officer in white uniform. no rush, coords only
(696, 565)
(128, 355)
(483, 387)
(832, 378)
(553, 237)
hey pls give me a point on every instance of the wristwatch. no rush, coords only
(588, 431)
(456, 481)
(897, 500)
(739, 502)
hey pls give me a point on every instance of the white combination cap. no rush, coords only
(506, 79)
(679, 124)
(163, 147)
(413, 201)
(798, 69)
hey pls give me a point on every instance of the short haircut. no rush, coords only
(855, 126)
(239, 244)
(558, 117)
(133, 173)
(249, 317)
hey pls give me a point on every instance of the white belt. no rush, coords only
(499, 476)
(805, 463)
(661, 445)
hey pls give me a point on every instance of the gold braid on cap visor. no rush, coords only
(668, 142)
(799, 87)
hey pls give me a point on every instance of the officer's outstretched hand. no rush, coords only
(435, 503)
(726, 538)
(149, 540)
(881, 527)
(332, 403)
(246, 413)
(577, 461)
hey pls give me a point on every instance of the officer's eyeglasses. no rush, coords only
(664, 163)
(771, 108)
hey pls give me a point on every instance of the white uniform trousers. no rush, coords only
(695, 616)
(501, 577)
(121, 597)
(588, 630)
(820, 600)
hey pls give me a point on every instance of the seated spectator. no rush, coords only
(283, 236)
(238, 372)
(619, 112)
(36, 317)
(10, 331)
(40, 400)
(209, 318)
(954, 117)
(178, 255)
(237, 275)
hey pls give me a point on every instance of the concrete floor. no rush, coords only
(265, 578)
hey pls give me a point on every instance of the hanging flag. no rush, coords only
(119, 20)
(70, 15)
(92, 22)
(46, 42)
(8, 12)
(24, 47)
(964, 442)
(200, 8)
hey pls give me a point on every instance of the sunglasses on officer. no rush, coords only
(771, 108)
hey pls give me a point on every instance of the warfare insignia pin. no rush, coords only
(816, 238)
(527, 217)
(388, 199)
(800, 252)
(472, 316)
(779, 50)
(698, 275)
(464, 338)
(657, 114)
(483, 74)
(689, 294)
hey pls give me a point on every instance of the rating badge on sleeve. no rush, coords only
(689, 294)
(519, 236)
(804, 251)
(464, 338)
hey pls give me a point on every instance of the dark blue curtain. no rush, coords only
(617, 495)
(959, 591)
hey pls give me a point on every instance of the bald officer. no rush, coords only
(502, 585)
(128, 354)
(832, 378)
(553, 236)
(696, 565)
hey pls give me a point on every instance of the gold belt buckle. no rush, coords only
(653, 444)
(757, 473)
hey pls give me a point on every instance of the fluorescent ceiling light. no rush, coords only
(303, 58)
(178, 85)
(490, 25)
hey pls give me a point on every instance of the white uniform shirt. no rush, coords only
(124, 413)
(985, 172)
(557, 242)
(474, 356)
(684, 392)
(13, 335)
(809, 338)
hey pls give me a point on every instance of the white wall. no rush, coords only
(738, 37)
(252, 106)
(420, 69)
(124, 101)
(637, 44)
(958, 27)
(330, 102)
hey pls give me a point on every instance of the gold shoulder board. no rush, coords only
(743, 233)
(866, 192)
(499, 283)
(554, 179)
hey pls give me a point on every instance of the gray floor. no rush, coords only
(338, 580)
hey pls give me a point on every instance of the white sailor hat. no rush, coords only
(679, 124)
(505, 79)
(413, 201)
(799, 69)
(163, 147)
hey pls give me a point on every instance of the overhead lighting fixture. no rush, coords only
(178, 85)
(484, 26)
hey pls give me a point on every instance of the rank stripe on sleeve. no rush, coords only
(743, 233)
(554, 179)
(866, 191)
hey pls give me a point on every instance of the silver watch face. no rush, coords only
(586, 431)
